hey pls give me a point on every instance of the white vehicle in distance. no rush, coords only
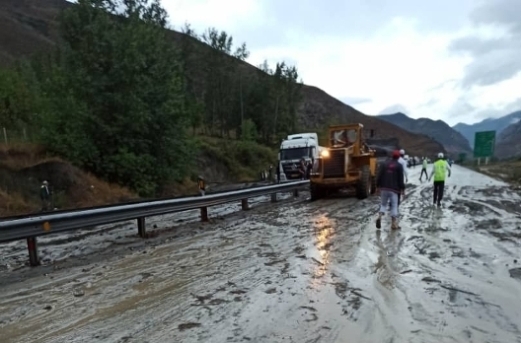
(292, 150)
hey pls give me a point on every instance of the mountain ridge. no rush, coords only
(439, 130)
(488, 124)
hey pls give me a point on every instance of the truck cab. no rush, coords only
(292, 150)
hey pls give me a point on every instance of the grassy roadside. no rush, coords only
(507, 171)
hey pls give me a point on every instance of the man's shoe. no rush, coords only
(439, 205)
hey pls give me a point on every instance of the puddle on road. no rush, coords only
(309, 272)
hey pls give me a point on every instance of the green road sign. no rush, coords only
(484, 143)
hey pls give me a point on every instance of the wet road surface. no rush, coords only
(296, 271)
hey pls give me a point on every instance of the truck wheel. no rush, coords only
(316, 192)
(363, 188)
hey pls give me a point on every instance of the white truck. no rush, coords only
(292, 150)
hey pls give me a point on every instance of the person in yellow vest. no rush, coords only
(202, 186)
(439, 170)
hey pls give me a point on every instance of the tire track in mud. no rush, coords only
(265, 258)
(60, 246)
(296, 272)
(438, 248)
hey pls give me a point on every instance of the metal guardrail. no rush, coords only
(37, 225)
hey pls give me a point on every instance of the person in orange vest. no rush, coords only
(202, 186)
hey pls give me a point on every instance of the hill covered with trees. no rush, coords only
(115, 92)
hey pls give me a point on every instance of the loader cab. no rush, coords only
(347, 162)
(347, 136)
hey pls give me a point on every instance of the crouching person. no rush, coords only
(390, 185)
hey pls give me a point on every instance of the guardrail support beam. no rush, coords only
(34, 259)
(273, 197)
(244, 204)
(141, 227)
(204, 214)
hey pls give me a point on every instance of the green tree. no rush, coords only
(224, 85)
(248, 131)
(117, 94)
(20, 98)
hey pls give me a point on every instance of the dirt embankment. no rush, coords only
(24, 168)
(225, 164)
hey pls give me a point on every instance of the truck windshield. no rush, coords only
(294, 153)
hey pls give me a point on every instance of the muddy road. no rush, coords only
(296, 271)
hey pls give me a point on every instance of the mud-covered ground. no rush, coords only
(295, 271)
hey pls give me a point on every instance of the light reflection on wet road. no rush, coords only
(296, 271)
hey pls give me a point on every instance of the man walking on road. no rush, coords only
(424, 170)
(439, 168)
(390, 184)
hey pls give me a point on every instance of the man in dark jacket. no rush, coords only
(390, 184)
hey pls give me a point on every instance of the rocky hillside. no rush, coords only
(509, 141)
(30, 26)
(453, 141)
(489, 124)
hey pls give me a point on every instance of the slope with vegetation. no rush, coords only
(107, 87)
(453, 141)
(24, 167)
(509, 142)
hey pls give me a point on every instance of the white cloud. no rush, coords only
(397, 62)
(228, 15)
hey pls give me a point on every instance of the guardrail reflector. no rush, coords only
(46, 226)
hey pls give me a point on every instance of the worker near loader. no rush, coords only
(439, 170)
(303, 168)
(424, 170)
(202, 185)
(390, 184)
(403, 162)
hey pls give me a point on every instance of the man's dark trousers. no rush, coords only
(438, 191)
(426, 175)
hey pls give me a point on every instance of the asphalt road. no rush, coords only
(295, 271)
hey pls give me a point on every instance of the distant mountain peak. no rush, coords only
(439, 130)
(488, 124)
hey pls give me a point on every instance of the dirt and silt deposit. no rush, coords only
(294, 271)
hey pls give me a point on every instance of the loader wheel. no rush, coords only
(363, 188)
(316, 192)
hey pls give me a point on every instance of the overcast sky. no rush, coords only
(455, 60)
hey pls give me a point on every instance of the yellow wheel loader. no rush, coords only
(347, 162)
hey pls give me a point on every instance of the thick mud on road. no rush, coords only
(296, 271)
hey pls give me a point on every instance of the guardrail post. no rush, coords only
(295, 192)
(204, 214)
(34, 259)
(273, 197)
(244, 204)
(141, 227)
